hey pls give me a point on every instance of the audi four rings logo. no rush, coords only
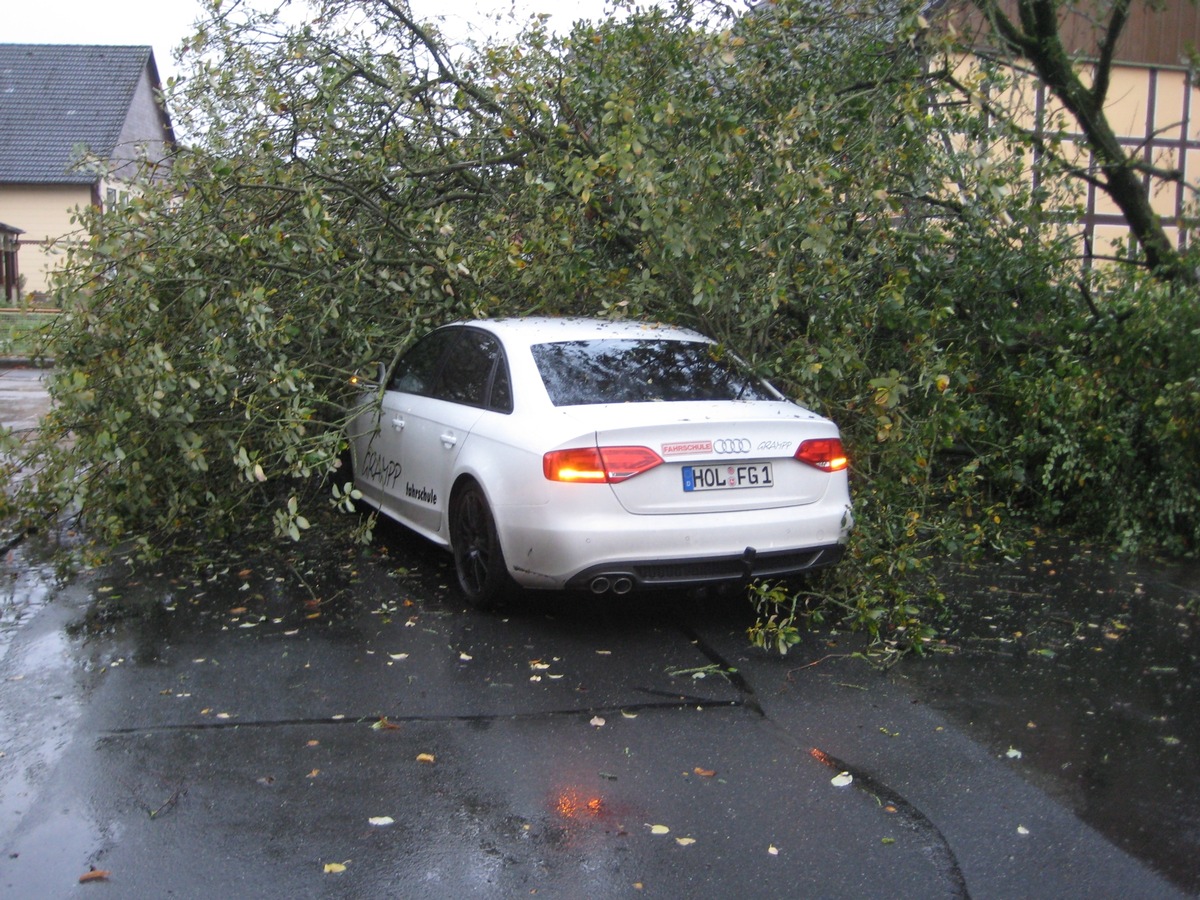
(731, 445)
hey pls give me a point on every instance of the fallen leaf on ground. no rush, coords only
(842, 779)
(331, 868)
(598, 721)
(381, 820)
(313, 774)
(773, 850)
(1013, 753)
(659, 829)
(685, 842)
(397, 656)
(94, 875)
(705, 773)
(425, 757)
(384, 725)
(1021, 829)
(465, 657)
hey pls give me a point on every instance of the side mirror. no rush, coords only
(367, 382)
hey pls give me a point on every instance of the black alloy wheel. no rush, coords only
(478, 560)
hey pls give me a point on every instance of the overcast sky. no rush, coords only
(163, 24)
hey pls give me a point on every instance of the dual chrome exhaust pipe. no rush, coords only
(618, 584)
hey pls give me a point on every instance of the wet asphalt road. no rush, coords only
(353, 731)
(240, 737)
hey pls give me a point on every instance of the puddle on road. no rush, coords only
(1091, 673)
(24, 589)
(41, 699)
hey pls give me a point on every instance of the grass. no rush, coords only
(20, 330)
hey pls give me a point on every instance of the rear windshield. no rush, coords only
(641, 371)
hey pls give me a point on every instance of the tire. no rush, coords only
(478, 560)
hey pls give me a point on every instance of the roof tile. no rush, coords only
(56, 99)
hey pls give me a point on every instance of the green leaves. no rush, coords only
(288, 520)
(801, 183)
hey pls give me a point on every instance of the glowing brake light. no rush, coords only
(825, 454)
(598, 465)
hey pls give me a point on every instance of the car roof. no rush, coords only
(547, 329)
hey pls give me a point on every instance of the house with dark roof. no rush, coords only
(75, 122)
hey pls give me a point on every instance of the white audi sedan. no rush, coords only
(596, 455)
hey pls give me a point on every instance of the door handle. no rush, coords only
(449, 440)
(398, 424)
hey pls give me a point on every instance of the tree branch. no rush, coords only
(1038, 39)
(1108, 48)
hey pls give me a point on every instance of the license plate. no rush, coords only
(727, 477)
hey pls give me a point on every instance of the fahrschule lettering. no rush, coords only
(421, 495)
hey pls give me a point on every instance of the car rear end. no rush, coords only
(664, 463)
(720, 492)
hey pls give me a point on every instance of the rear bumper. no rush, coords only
(667, 573)
(572, 542)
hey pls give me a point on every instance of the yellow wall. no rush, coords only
(44, 214)
(1175, 116)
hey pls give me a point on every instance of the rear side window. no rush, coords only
(641, 371)
(468, 373)
(459, 365)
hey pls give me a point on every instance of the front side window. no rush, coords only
(642, 371)
(417, 370)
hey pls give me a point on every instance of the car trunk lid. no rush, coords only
(716, 456)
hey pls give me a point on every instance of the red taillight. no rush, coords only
(825, 454)
(598, 465)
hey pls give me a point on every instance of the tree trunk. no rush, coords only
(1037, 39)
